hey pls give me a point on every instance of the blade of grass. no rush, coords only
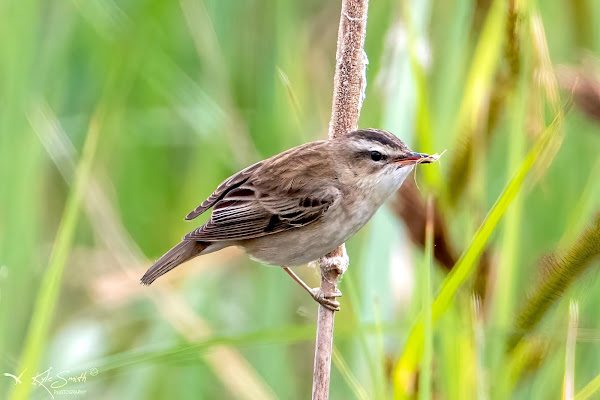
(21, 175)
(424, 128)
(50, 287)
(452, 56)
(378, 353)
(355, 300)
(426, 361)
(189, 351)
(480, 344)
(547, 81)
(484, 65)
(473, 104)
(346, 372)
(507, 270)
(456, 351)
(569, 379)
(465, 265)
(292, 99)
(589, 390)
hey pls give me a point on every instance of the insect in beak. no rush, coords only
(416, 158)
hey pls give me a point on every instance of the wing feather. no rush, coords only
(256, 216)
(290, 190)
(228, 185)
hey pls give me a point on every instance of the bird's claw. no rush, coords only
(327, 300)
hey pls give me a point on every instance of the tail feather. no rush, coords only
(177, 255)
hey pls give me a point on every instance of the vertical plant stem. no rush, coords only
(569, 379)
(426, 361)
(49, 291)
(350, 72)
(506, 271)
(348, 94)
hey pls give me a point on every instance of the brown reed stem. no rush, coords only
(348, 95)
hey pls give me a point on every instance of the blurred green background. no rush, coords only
(118, 118)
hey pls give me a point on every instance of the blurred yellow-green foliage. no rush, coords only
(119, 117)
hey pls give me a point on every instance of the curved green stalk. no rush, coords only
(50, 287)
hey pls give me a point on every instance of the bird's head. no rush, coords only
(376, 160)
(373, 152)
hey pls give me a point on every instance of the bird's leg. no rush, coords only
(316, 293)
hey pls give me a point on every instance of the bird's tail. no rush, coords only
(179, 254)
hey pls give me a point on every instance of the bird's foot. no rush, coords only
(327, 300)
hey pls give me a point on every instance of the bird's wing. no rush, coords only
(245, 212)
(228, 185)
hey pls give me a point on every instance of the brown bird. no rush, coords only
(299, 205)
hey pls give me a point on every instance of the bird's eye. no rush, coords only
(376, 156)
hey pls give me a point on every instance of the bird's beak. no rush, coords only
(415, 158)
